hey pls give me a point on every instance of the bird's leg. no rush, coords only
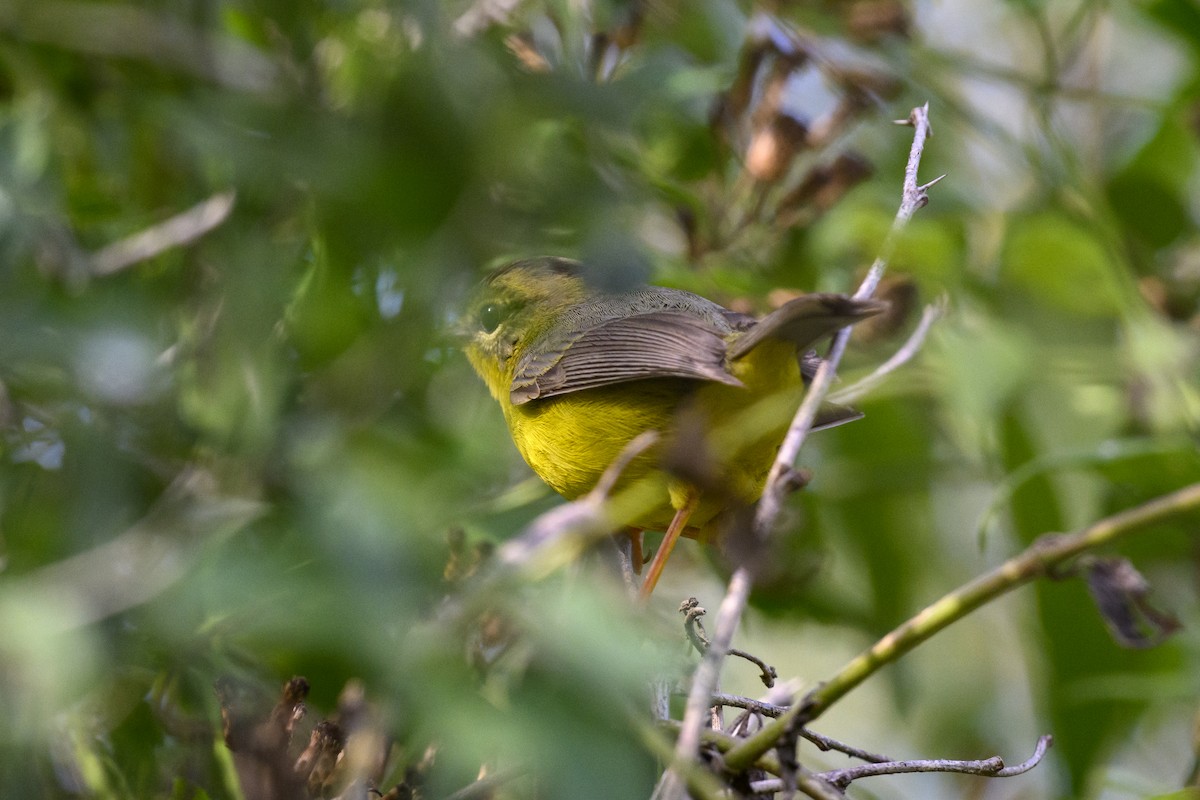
(629, 555)
(674, 530)
(635, 555)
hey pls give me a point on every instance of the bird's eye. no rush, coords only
(490, 317)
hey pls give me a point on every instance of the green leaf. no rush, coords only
(1062, 266)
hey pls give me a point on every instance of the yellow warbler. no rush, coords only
(580, 372)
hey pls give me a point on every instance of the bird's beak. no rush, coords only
(458, 332)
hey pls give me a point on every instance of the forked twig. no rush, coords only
(670, 787)
(696, 634)
(582, 516)
(907, 351)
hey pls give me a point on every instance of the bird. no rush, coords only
(580, 371)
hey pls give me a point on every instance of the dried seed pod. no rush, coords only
(774, 147)
(525, 49)
(869, 21)
(823, 186)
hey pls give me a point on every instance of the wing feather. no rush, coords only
(806, 319)
(659, 344)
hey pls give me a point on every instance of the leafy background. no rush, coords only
(243, 455)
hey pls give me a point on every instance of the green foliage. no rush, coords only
(242, 453)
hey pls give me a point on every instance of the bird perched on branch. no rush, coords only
(580, 372)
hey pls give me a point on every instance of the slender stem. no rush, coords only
(181, 229)
(1036, 560)
(913, 197)
(807, 782)
(907, 351)
(822, 742)
(769, 506)
(707, 674)
(992, 767)
(486, 786)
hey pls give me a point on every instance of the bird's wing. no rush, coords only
(802, 322)
(806, 319)
(658, 344)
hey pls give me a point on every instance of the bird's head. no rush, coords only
(512, 308)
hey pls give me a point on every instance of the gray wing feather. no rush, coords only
(806, 319)
(659, 344)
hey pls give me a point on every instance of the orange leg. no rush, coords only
(635, 538)
(674, 530)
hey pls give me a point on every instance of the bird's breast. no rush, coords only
(570, 440)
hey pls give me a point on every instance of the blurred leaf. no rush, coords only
(1061, 265)
(1180, 16)
(297, 354)
(1122, 597)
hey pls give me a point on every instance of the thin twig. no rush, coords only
(806, 781)
(989, 767)
(487, 785)
(757, 706)
(907, 351)
(769, 506)
(823, 742)
(578, 519)
(1039, 752)
(551, 540)
(815, 786)
(159, 549)
(827, 743)
(701, 783)
(686, 746)
(913, 198)
(1035, 561)
(767, 674)
(181, 229)
(1040, 558)
(1107, 452)
(992, 767)
(693, 611)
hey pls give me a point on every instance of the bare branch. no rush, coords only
(179, 230)
(807, 782)
(757, 706)
(693, 611)
(902, 356)
(771, 503)
(815, 787)
(992, 767)
(123, 30)
(688, 743)
(913, 198)
(827, 743)
(1039, 752)
(583, 517)
(823, 743)
(158, 549)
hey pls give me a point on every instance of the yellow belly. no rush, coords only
(570, 440)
